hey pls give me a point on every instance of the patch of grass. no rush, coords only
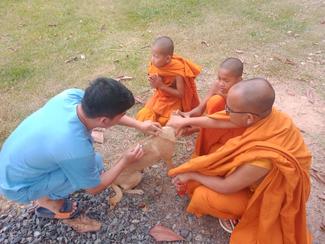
(13, 75)
(37, 38)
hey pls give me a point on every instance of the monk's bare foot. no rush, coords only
(53, 205)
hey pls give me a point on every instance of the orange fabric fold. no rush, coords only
(210, 139)
(276, 212)
(162, 104)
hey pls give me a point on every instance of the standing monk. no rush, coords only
(173, 77)
(258, 180)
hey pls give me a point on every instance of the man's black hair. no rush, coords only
(106, 97)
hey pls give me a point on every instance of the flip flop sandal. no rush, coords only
(225, 227)
(65, 211)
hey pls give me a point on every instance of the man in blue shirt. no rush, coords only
(50, 154)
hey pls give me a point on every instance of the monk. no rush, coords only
(230, 73)
(259, 179)
(172, 77)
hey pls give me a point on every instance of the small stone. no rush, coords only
(198, 237)
(184, 233)
(98, 241)
(132, 228)
(37, 234)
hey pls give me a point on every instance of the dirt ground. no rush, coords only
(161, 204)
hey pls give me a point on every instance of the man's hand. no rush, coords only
(155, 81)
(132, 155)
(151, 128)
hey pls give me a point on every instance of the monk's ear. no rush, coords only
(168, 58)
(250, 120)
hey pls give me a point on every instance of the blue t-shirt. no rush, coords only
(52, 138)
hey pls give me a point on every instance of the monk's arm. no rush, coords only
(243, 177)
(199, 110)
(202, 121)
(176, 92)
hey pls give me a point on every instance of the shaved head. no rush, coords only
(234, 65)
(165, 45)
(253, 95)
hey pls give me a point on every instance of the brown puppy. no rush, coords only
(155, 148)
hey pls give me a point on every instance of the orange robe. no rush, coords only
(276, 211)
(210, 139)
(160, 106)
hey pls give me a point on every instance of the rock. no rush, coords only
(198, 238)
(184, 233)
(37, 234)
(98, 241)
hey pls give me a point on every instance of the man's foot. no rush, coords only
(57, 209)
(228, 224)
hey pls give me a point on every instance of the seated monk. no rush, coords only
(209, 139)
(173, 78)
(259, 179)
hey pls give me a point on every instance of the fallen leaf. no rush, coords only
(277, 58)
(103, 28)
(98, 136)
(291, 93)
(205, 43)
(124, 78)
(52, 25)
(189, 146)
(146, 46)
(71, 59)
(310, 96)
(319, 176)
(139, 99)
(321, 196)
(161, 233)
(288, 61)
(83, 224)
(322, 225)
(142, 205)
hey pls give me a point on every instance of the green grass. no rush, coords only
(37, 37)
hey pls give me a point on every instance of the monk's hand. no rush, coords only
(155, 81)
(183, 114)
(150, 127)
(182, 179)
(132, 155)
(176, 122)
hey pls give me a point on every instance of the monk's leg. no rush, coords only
(204, 201)
(146, 114)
